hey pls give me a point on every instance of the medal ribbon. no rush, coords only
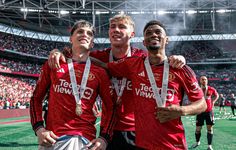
(78, 95)
(120, 91)
(160, 100)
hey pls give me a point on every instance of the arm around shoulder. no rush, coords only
(99, 63)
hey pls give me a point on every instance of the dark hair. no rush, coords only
(153, 22)
(82, 23)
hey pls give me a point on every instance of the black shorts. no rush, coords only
(208, 116)
(222, 105)
(122, 141)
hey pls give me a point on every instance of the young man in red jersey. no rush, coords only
(73, 89)
(211, 97)
(158, 91)
(121, 31)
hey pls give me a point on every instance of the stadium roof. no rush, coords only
(57, 16)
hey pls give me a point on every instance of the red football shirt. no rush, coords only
(150, 133)
(125, 111)
(210, 92)
(62, 119)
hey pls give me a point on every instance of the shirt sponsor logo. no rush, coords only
(128, 85)
(65, 87)
(146, 92)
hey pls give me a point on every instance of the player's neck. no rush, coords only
(80, 55)
(156, 59)
(120, 52)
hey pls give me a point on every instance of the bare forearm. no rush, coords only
(216, 98)
(194, 108)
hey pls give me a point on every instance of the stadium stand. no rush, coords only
(198, 50)
(18, 66)
(15, 92)
(28, 45)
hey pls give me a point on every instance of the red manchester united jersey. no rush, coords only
(125, 111)
(150, 133)
(210, 92)
(62, 119)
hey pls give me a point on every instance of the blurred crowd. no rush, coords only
(28, 45)
(218, 75)
(224, 88)
(198, 50)
(18, 66)
(15, 92)
(223, 80)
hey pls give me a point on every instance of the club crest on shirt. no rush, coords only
(157, 76)
(118, 61)
(79, 74)
(171, 76)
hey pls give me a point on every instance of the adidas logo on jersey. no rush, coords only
(142, 74)
(61, 70)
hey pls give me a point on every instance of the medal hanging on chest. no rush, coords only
(160, 99)
(119, 90)
(78, 109)
(78, 95)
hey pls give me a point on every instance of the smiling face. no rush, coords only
(82, 36)
(121, 30)
(155, 38)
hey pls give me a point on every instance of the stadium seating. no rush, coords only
(15, 91)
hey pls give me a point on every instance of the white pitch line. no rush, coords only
(98, 123)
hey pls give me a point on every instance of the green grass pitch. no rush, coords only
(19, 136)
